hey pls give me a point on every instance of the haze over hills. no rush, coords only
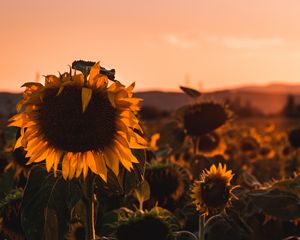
(269, 99)
(279, 88)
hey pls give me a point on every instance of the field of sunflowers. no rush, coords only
(78, 162)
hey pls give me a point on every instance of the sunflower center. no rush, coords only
(67, 128)
(215, 193)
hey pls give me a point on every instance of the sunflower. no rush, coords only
(210, 145)
(157, 223)
(202, 118)
(294, 138)
(213, 192)
(80, 121)
(168, 183)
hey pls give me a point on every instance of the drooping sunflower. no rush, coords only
(210, 145)
(81, 121)
(213, 192)
(168, 183)
(157, 223)
(202, 118)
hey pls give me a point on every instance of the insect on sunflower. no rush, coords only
(80, 121)
(213, 192)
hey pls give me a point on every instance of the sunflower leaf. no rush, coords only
(190, 92)
(142, 193)
(47, 204)
(277, 203)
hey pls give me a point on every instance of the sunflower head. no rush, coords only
(213, 191)
(157, 224)
(211, 144)
(249, 145)
(81, 120)
(294, 137)
(168, 183)
(203, 118)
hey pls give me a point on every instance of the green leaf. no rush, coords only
(277, 203)
(47, 204)
(142, 192)
(190, 92)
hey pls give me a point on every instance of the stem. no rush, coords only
(196, 141)
(201, 226)
(90, 206)
(141, 205)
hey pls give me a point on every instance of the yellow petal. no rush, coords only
(130, 89)
(86, 95)
(91, 162)
(122, 156)
(56, 159)
(127, 152)
(95, 70)
(111, 160)
(100, 165)
(79, 166)
(61, 88)
(73, 164)
(49, 159)
(65, 166)
(51, 80)
(85, 164)
(19, 142)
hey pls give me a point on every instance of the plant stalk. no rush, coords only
(201, 226)
(90, 207)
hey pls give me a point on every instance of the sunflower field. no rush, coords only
(80, 162)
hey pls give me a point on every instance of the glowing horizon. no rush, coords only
(206, 45)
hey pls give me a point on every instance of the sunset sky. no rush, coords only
(211, 44)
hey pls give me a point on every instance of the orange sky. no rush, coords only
(158, 44)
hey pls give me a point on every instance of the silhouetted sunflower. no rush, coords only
(213, 192)
(203, 118)
(81, 121)
(16, 159)
(11, 216)
(211, 144)
(294, 137)
(249, 145)
(168, 183)
(155, 224)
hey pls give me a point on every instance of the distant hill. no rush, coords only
(269, 99)
(276, 88)
(268, 103)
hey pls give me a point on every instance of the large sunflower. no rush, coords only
(213, 192)
(81, 121)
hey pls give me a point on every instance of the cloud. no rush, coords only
(251, 43)
(178, 41)
(246, 42)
